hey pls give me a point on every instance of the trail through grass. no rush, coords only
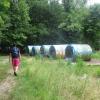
(47, 79)
(7, 81)
(4, 66)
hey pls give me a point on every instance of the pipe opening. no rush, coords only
(42, 51)
(52, 52)
(69, 52)
(33, 51)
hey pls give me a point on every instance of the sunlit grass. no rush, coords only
(53, 79)
(96, 55)
(4, 66)
(48, 79)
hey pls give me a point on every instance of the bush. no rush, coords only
(97, 73)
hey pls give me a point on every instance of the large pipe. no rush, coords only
(44, 50)
(82, 50)
(35, 50)
(29, 49)
(58, 51)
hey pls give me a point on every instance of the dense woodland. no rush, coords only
(33, 22)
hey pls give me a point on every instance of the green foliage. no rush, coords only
(18, 24)
(80, 68)
(48, 22)
(97, 73)
(3, 67)
(73, 23)
(92, 27)
(46, 79)
(20, 18)
(45, 21)
(96, 55)
(4, 6)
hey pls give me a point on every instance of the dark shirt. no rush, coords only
(14, 52)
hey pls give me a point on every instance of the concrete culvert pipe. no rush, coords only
(83, 51)
(35, 50)
(44, 50)
(29, 49)
(57, 51)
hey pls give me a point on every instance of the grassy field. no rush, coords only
(96, 55)
(4, 66)
(47, 79)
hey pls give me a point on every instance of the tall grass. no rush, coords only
(47, 79)
(96, 55)
(4, 66)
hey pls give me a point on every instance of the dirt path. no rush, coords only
(6, 86)
(95, 62)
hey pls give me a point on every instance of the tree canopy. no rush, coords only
(48, 21)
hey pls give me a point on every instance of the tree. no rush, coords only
(92, 27)
(40, 2)
(4, 18)
(19, 23)
(45, 21)
(72, 26)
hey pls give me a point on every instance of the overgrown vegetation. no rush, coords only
(48, 22)
(41, 78)
(47, 79)
(3, 67)
(96, 55)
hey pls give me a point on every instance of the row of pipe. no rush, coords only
(67, 51)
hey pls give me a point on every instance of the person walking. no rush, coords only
(14, 58)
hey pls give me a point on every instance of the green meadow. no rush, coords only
(3, 67)
(53, 79)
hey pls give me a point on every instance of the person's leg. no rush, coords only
(15, 65)
(14, 69)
